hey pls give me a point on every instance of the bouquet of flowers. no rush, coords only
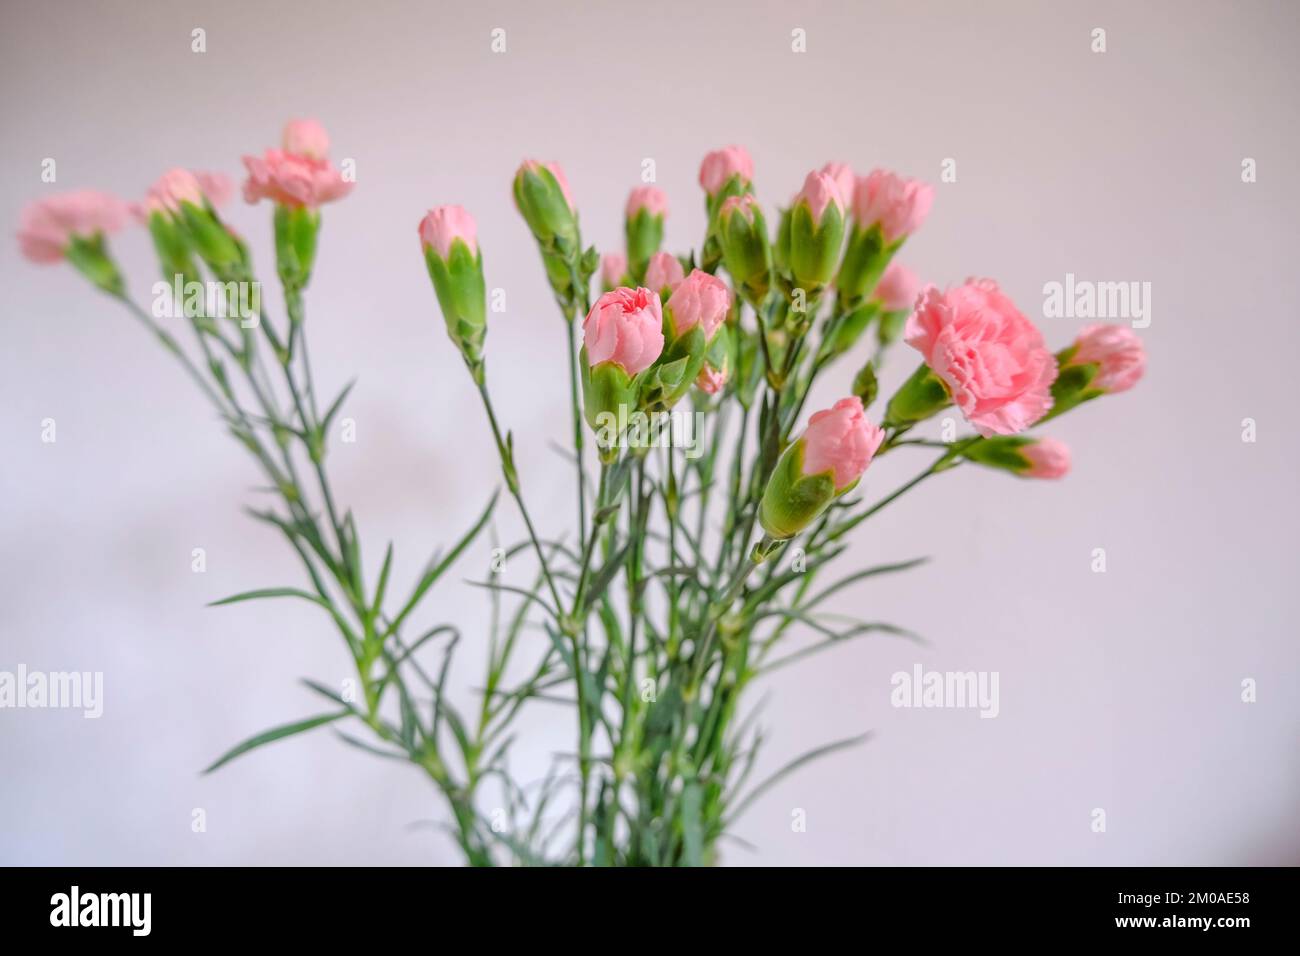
(698, 542)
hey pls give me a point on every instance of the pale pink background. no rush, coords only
(1118, 691)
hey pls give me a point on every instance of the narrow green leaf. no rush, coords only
(277, 733)
(270, 593)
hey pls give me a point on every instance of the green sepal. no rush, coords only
(749, 367)
(747, 253)
(865, 385)
(541, 202)
(792, 499)
(90, 257)
(171, 245)
(865, 259)
(815, 247)
(462, 294)
(296, 229)
(890, 327)
(1000, 451)
(675, 370)
(644, 233)
(212, 240)
(1073, 385)
(845, 333)
(607, 390)
(921, 396)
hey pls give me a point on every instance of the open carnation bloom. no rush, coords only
(896, 204)
(991, 358)
(625, 326)
(296, 179)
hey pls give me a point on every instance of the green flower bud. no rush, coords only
(644, 227)
(921, 396)
(542, 197)
(792, 499)
(455, 263)
(816, 233)
(865, 259)
(746, 250)
(296, 229)
(89, 255)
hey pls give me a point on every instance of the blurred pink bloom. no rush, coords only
(46, 226)
(1119, 352)
(899, 205)
(177, 185)
(700, 299)
(293, 178)
(841, 439)
(711, 380)
(819, 192)
(306, 138)
(663, 272)
(1048, 458)
(990, 356)
(626, 327)
(442, 225)
(650, 198)
(897, 288)
(842, 173)
(613, 266)
(721, 164)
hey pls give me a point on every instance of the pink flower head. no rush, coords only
(819, 192)
(306, 138)
(721, 164)
(897, 288)
(842, 173)
(650, 198)
(442, 225)
(840, 439)
(745, 204)
(613, 266)
(46, 226)
(990, 356)
(899, 205)
(711, 380)
(663, 271)
(1119, 352)
(700, 299)
(299, 175)
(1048, 458)
(182, 185)
(532, 165)
(626, 327)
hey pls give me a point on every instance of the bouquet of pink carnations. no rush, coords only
(698, 537)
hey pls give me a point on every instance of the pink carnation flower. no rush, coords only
(626, 327)
(613, 266)
(721, 164)
(699, 299)
(177, 185)
(990, 356)
(897, 288)
(841, 440)
(663, 271)
(842, 175)
(899, 205)
(445, 224)
(650, 198)
(47, 226)
(298, 175)
(1048, 458)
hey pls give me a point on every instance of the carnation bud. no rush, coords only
(719, 360)
(542, 197)
(887, 208)
(746, 251)
(825, 462)
(613, 269)
(1021, 455)
(693, 315)
(647, 207)
(623, 336)
(816, 232)
(663, 273)
(448, 236)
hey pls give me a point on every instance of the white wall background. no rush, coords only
(1118, 690)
